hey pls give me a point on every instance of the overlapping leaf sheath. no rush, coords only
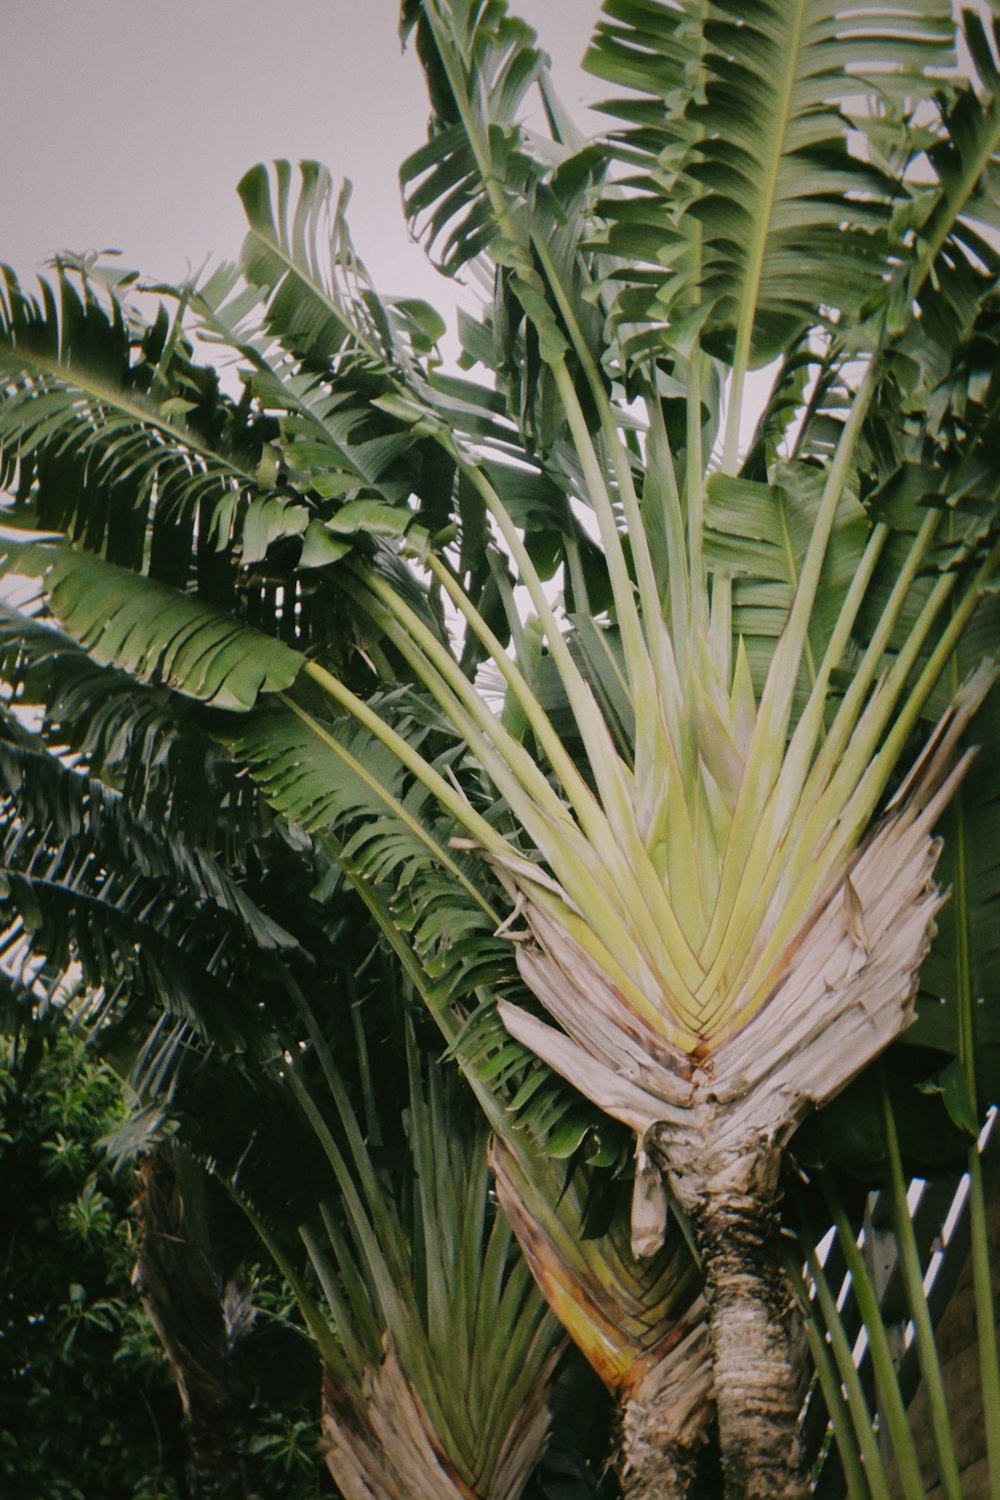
(642, 1326)
(438, 1350)
(385, 1445)
(840, 988)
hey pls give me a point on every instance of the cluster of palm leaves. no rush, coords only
(621, 717)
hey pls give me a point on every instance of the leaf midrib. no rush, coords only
(755, 259)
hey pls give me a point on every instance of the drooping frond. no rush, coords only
(156, 633)
(165, 934)
(321, 306)
(111, 432)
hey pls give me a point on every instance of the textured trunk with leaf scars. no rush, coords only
(729, 1189)
(755, 1353)
(182, 1300)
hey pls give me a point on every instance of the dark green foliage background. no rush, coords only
(87, 1404)
(88, 1407)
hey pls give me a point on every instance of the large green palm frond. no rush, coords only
(172, 638)
(955, 219)
(113, 436)
(733, 142)
(145, 938)
(145, 743)
(112, 431)
(321, 306)
(347, 413)
(464, 49)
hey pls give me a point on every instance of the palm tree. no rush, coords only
(696, 795)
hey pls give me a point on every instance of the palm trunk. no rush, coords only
(727, 1185)
(756, 1369)
(182, 1300)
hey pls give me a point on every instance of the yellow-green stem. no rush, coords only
(857, 1441)
(891, 1404)
(913, 1280)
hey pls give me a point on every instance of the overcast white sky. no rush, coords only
(129, 122)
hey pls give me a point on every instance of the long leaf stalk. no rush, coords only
(325, 1339)
(982, 1270)
(451, 800)
(609, 773)
(826, 826)
(387, 1280)
(649, 617)
(443, 1016)
(637, 655)
(661, 475)
(694, 492)
(576, 790)
(347, 1315)
(891, 1405)
(781, 829)
(533, 801)
(376, 1229)
(639, 902)
(986, 1322)
(620, 910)
(913, 1280)
(437, 668)
(837, 1373)
(338, 1093)
(652, 679)
(852, 704)
(943, 651)
(763, 763)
